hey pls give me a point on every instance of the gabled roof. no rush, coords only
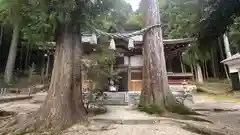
(234, 57)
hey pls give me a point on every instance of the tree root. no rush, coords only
(15, 125)
(30, 123)
(181, 109)
(206, 130)
(188, 117)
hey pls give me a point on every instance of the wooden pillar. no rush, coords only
(129, 73)
(169, 64)
(182, 66)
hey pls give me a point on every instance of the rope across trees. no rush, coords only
(120, 36)
(126, 35)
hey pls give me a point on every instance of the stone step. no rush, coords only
(115, 102)
(115, 98)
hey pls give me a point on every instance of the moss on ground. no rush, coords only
(220, 97)
(150, 109)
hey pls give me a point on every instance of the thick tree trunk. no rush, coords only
(63, 106)
(12, 54)
(156, 90)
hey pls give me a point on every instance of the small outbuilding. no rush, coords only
(233, 63)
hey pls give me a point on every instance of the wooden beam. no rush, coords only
(129, 71)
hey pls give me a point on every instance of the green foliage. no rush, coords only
(179, 18)
(134, 20)
(151, 109)
(98, 66)
(115, 17)
(12, 11)
(234, 35)
(39, 27)
(220, 15)
(194, 56)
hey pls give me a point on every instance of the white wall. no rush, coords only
(125, 60)
(136, 60)
(234, 68)
(234, 65)
(239, 74)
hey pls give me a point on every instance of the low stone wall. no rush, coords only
(133, 97)
(179, 87)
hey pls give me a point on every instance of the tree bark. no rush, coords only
(191, 67)
(181, 62)
(226, 46)
(199, 74)
(1, 34)
(229, 54)
(156, 89)
(26, 58)
(206, 69)
(12, 55)
(47, 66)
(63, 106)
(213, 63)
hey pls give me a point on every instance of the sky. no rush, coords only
(134, 3)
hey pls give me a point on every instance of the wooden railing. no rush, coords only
(137, 85)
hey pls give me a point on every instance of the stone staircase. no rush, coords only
(116, 98)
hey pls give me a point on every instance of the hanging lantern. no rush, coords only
(130, 43)
(93, 39)
(112, 45)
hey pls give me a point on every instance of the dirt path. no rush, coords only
(121, 120)
(124, 113)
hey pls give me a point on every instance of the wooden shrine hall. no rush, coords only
(129, 61)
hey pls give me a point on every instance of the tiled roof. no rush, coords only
(234, 57)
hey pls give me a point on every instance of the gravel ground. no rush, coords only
(123, 113)
(155, 129)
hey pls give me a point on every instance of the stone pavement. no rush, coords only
(124, 113)
(121, 120)
(116, 129)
